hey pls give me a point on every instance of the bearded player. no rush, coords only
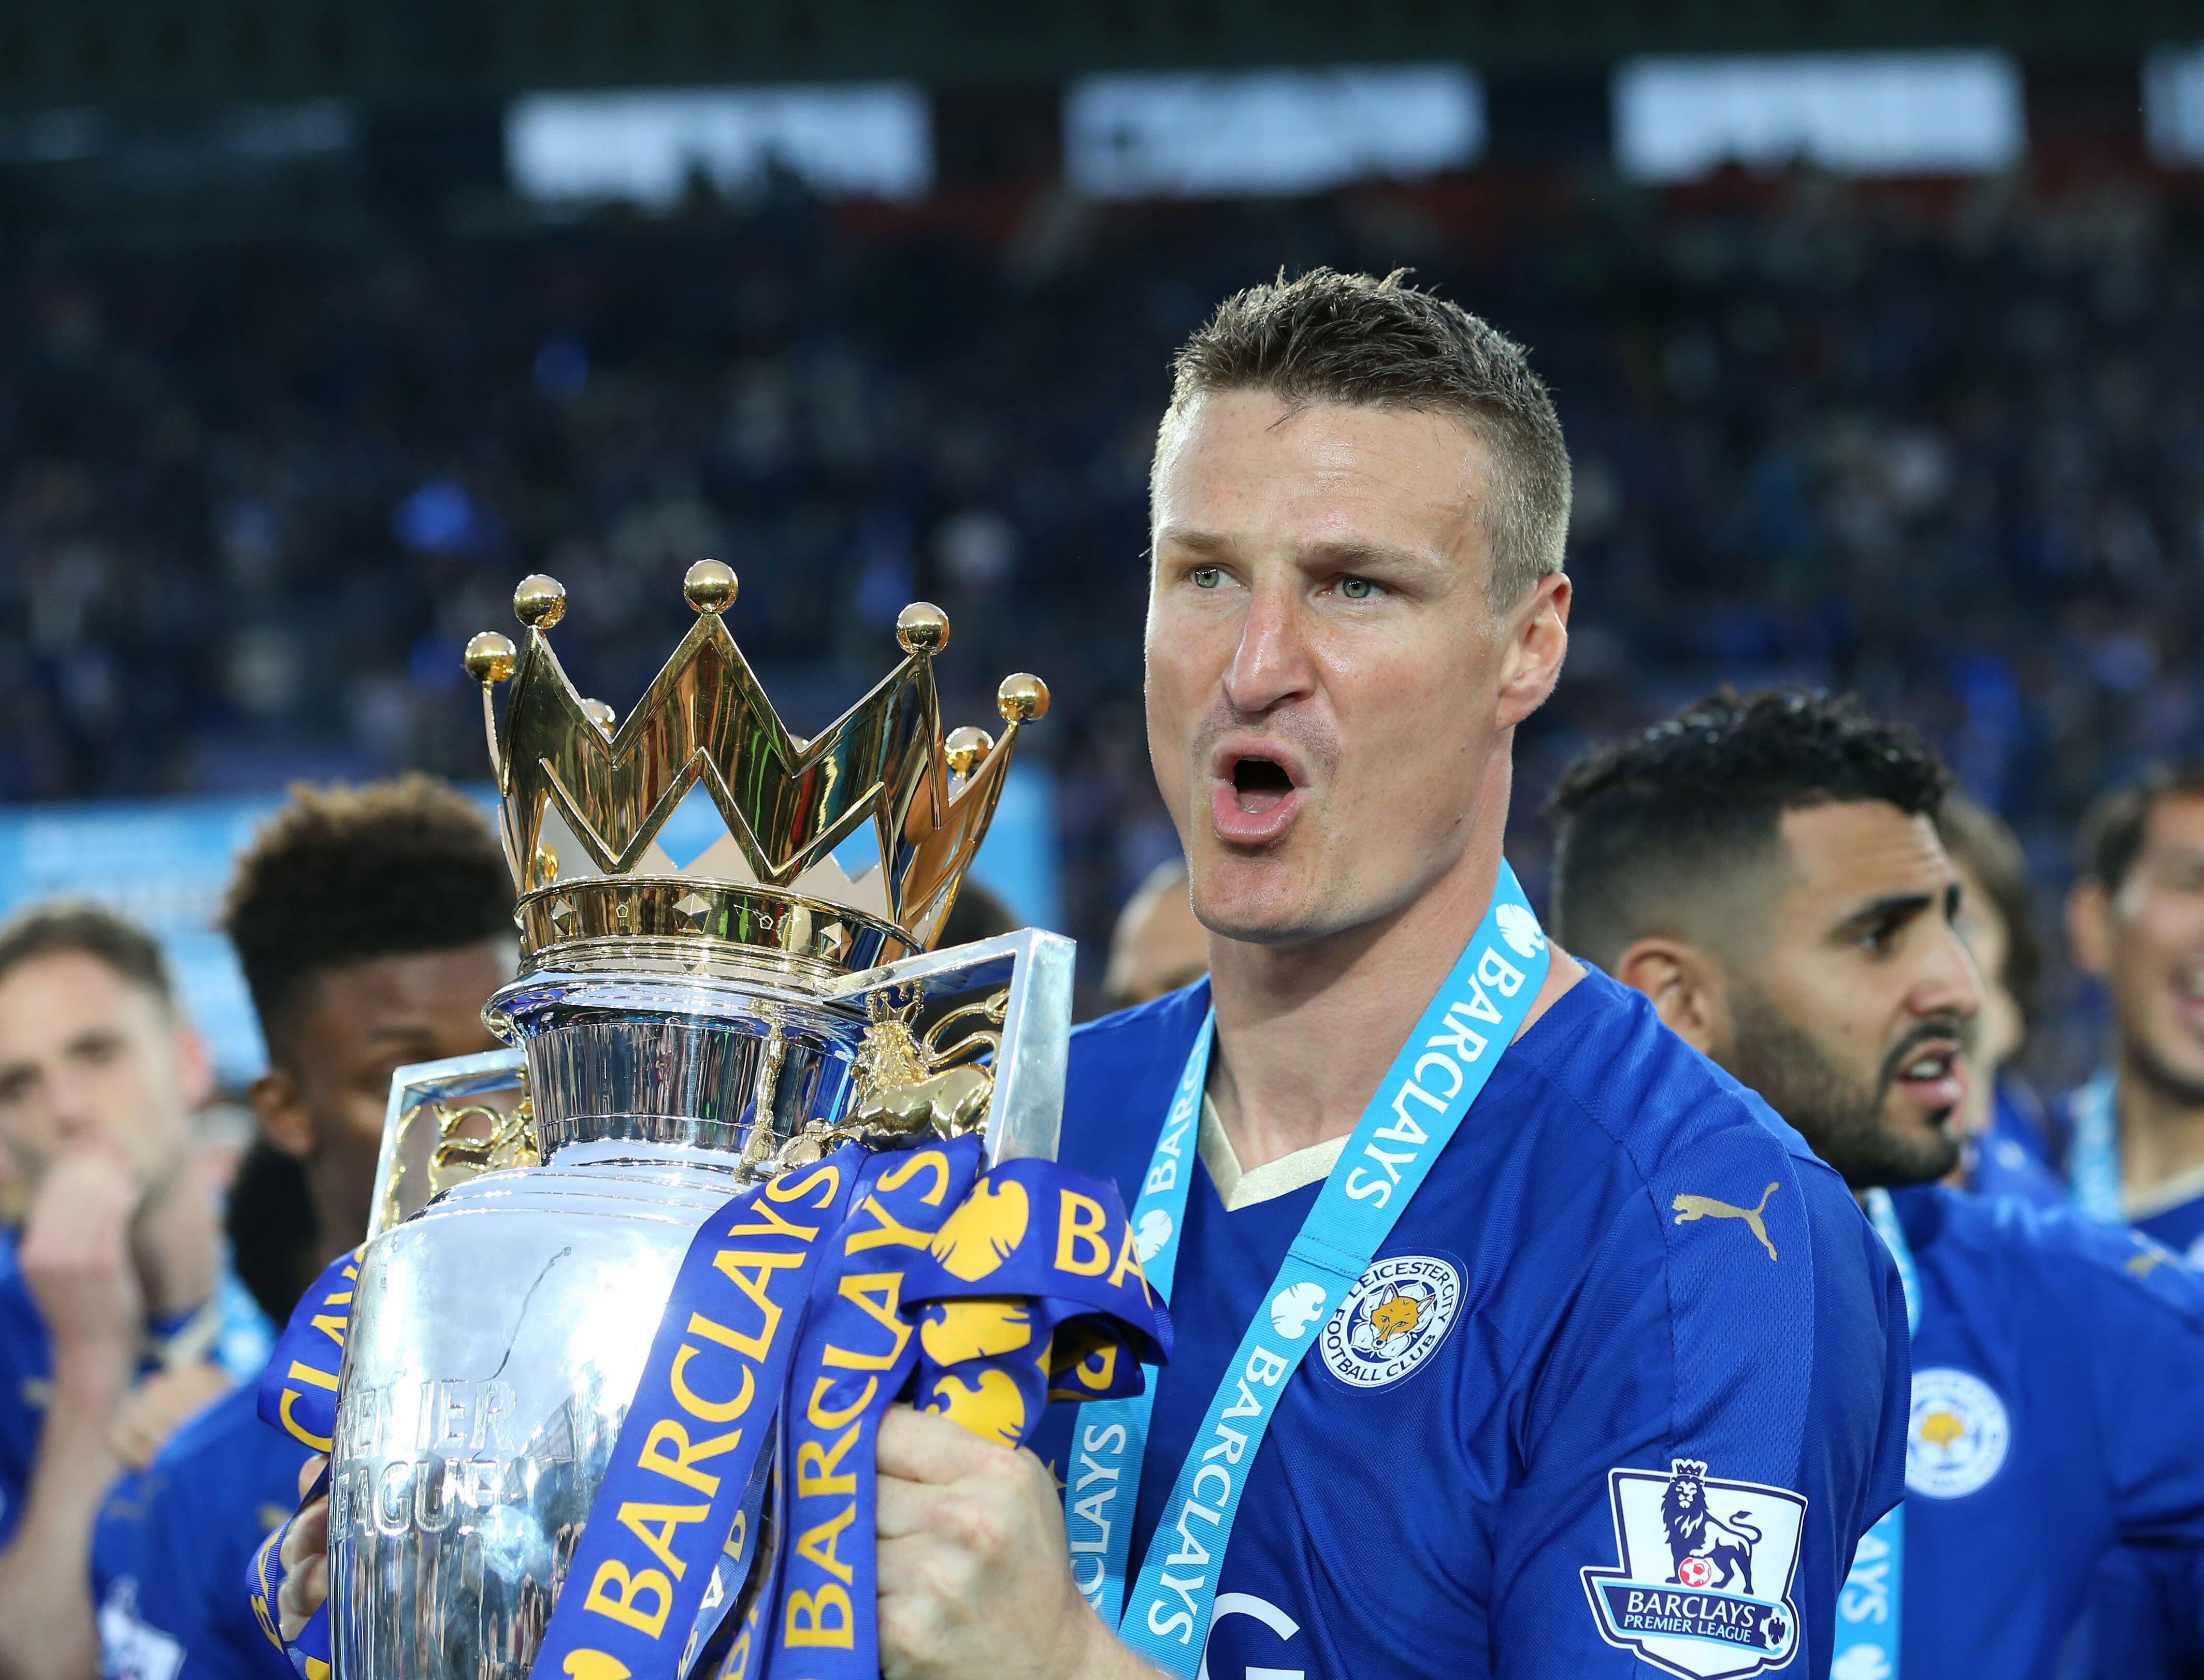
(1449, 1455)
(1767, 870)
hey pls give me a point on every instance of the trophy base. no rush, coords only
(498, 1339)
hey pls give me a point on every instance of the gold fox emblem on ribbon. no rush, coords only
(1688, 1208)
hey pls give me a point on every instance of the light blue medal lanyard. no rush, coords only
(2093, 1155)
(1456, 1044)
(1868, 1604)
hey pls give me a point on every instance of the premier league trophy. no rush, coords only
(678, 1032)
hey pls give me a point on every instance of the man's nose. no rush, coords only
(1271, 662)
(75, 1117)
(1949, 983)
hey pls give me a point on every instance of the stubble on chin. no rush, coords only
(1842, 1117)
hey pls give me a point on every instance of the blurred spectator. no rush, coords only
(1158, 946)
(2134, 1144)
(116, 1318)
(1943, 448)
(2000, 1120)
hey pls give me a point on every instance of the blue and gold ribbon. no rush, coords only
(1032, 1290)
(298, 1388)
(701, 1416)
(299, 1396)
(857, 1354)
(801, 1310)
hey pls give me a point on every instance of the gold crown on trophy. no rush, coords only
(585, 798)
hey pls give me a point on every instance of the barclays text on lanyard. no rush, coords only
(1868, 1604)
(1454, 1048)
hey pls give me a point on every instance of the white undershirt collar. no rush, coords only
(1239, 1189)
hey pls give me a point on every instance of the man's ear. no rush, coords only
(2089, 926)
(1538, 641)
(194, 1069)
(1688, 989)
(285, 1120)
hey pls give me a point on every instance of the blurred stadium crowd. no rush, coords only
(1941, 445)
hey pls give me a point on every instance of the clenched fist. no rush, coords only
(975, 1577)
(76, 1258)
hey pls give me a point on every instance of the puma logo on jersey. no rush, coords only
(1688, 1208)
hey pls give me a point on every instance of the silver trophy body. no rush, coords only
(499, 1332)
(677, 1031)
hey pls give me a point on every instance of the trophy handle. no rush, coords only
(421, 1128)
(1033, 970)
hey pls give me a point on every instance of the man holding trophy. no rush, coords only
(1510, 1335)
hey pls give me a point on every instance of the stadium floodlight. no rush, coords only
(868, 140)
(1867, 113)
(2173, 105)
(1268, 131)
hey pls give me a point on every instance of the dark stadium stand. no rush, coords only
(1942, 444)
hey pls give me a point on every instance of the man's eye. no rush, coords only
(1206, 577)
(1357, 588)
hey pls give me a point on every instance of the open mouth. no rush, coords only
(1257, 789)
(1935, 1074)
(2188, 995)
(1259, 784)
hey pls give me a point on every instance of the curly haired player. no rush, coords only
(373, 923)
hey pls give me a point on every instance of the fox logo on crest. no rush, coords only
(1705, 1550)
(1688, 1208)
(1395, 1315)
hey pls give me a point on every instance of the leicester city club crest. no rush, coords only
(1957, 1435)
(1704, 1589)
(1392, 1320)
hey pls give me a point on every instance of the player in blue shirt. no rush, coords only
(2134, 1134)
(116, 1316)
(2000, 1123)
(372, 924)
(1623, 1382)
(1766, 871)
(2128, 1139)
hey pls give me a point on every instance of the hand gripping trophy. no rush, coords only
(599, 1392)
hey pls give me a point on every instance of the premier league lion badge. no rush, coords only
(1704, 1586)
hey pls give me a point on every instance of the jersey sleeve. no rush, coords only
(23, 1372)
(170, 1552)
(1717, 1420)
(2147, 1370)
(2146, 1606)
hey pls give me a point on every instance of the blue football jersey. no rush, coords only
(2009, 1158)
(2180, 1227)
(242, 1341)
(168, 1556)
(25, 1371)
(2147, 1616)
(1631, 1361)
(2054, 1419)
